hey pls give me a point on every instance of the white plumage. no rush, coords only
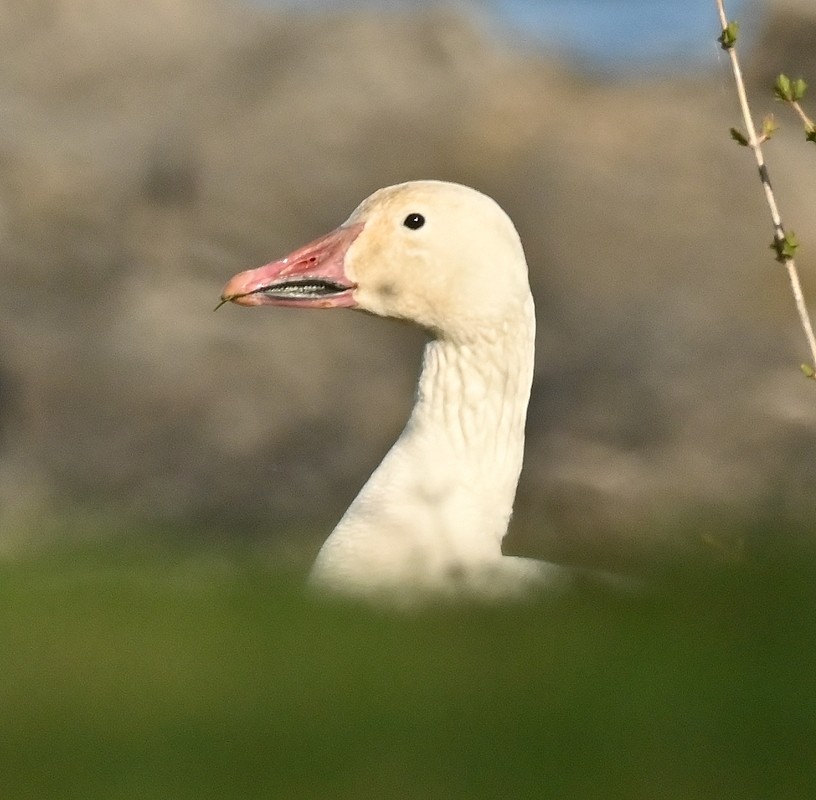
(431, 518)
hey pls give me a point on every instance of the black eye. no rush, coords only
(414, 221)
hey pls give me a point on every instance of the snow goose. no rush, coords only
(430, 520)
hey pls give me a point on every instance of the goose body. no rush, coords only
(431, 518)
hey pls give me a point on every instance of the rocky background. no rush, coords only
(148, 151)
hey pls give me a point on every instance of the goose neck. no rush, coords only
(473, 393)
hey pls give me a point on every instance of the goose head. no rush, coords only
(441, 255)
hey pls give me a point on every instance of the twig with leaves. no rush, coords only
(791, 92)
(784, 244)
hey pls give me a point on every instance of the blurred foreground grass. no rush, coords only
(171, 673)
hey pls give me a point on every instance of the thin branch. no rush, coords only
(783, 243)
(810, 126)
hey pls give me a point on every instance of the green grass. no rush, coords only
(172, 674)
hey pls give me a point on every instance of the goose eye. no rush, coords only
(414, 221)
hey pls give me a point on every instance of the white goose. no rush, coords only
(431, 518)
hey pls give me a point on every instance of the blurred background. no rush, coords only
(150, 150)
